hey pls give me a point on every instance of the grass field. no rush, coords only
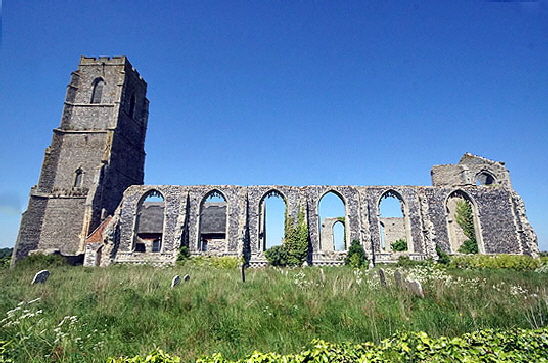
(89, 314)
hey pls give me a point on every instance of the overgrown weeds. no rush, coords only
(84, 314)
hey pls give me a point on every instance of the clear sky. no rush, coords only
(292, 92)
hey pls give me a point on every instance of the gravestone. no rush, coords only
(398, 277)
(175, 281)
(415, 287)
(187, 278)
(382, 276)
(40, 277)
(305, 264)
(322, 276)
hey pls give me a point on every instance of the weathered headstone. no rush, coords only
(242, 269)
(415, 287)
(322, 276)
(40, 277)
(382, 276)
(398, 278)
(187, 278)
(175, 281)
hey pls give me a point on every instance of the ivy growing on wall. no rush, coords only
(296, 239)
(294, 250)
(465, 218)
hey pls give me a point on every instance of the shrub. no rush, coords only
(42, 261)
(469, 247)
(184, 253)
(157, 356)
(356, 255)
(443, 257)
(225, 262)
(276, 256)
(405, 261)
(399, 245)
(512, 262)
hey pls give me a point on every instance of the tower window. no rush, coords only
(78, 174)
(132, 105)
(97, 93)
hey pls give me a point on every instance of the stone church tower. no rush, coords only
(95, 154)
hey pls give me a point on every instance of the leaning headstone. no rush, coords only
(175, 281)
(40, 277)
(415, 287)
(398, 277)
(242, 270)
(187, 278)
(382, 276)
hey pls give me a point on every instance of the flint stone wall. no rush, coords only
(497, 208)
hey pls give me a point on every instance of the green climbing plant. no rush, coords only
(296, 239)
(294, 250)
(465, 219)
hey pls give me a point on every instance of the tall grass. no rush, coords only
(85, 314)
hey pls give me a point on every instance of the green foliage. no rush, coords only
(405, 261)
(4, 352)
(184, 253)
(276, 256)
(156, 356)
(469, 247)
(41, 261)
(465, 218)
(296, 239)
(225, 262)
(443, 257)
(512, 262)
(6, 252)
(79, 318)
(5, 262)
(518, 345)
(356, 255)
(294, 250)
(399, 245)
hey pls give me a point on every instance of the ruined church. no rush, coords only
(90, 200)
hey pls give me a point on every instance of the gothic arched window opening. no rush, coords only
(97, 94)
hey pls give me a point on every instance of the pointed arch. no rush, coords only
(149, 222)
(456, 233)
(213, 221)
(394, 223)
(328, 215)
(78, 177)
(97, 93)
(271, 230)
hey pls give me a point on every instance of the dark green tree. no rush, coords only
(356, 255)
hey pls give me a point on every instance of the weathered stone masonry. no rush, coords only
(90, 198)
(425, 211)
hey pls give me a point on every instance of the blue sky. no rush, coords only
(292, 93)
